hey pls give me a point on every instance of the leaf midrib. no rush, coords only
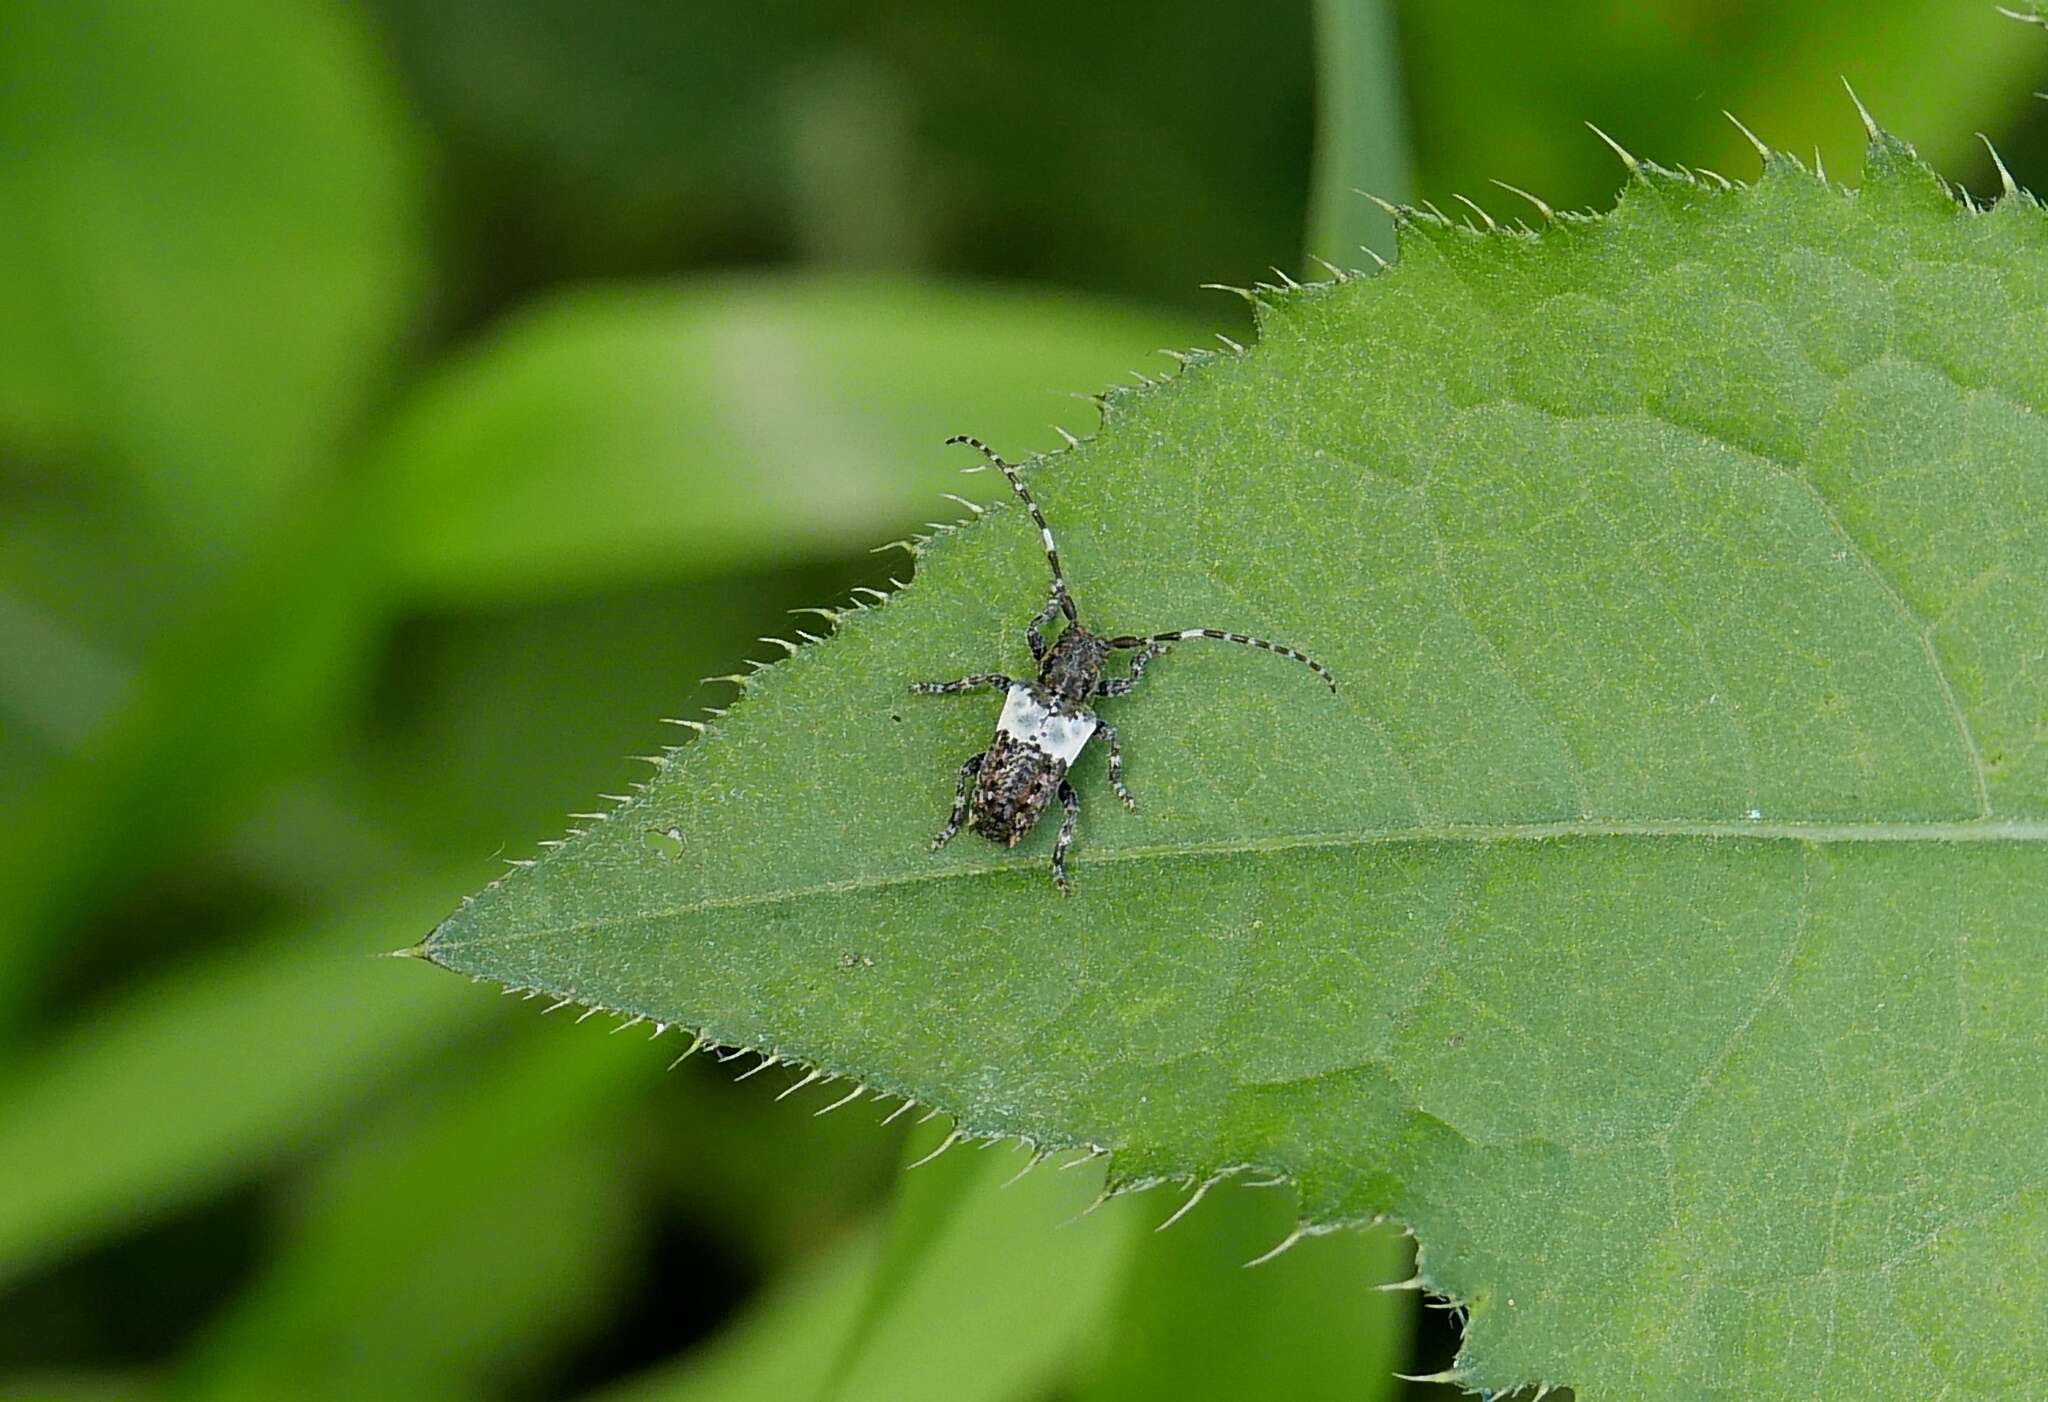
(2021, 830)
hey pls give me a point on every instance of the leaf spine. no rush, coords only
(1487, 219)
(696, 1044)
(1189, 1206)
(1038, 1156)
(815, 1074)
(1762, 151)
(846, 1099)
(1635, 167)
(1870, 126)
(768, 1060)
(1400, 214)
(1286, 1244)
(1541, 207)
(952, 1138)
(2004, 176)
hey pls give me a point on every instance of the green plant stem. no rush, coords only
(1361, 130)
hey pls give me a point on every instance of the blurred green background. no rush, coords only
(403, 404)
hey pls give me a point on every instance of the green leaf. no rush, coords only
(1509, 86)
(985, 1282)
(251, 681)
(1361, 132)
(80, 1386)
(978, 1292)
(1191, 1324)
(212, 238)
(231, 1062)
(782, 1346)
(512, 1175)
(1653, 923)
(656, 432)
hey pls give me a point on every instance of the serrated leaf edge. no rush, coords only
(1885, 155)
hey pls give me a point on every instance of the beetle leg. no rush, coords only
(973, 683)
(1124, 686)
(967, 773)
(1070, 801)
(1116, 764)
(1033, 634)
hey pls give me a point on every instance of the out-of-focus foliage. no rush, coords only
(212, 238)
(354, 363)
(594, 442)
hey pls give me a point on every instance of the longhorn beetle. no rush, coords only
(1046, 724)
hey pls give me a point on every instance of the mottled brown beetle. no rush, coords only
(1046, 724)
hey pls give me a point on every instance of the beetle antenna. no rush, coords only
(1052, 553)
(1187, 634)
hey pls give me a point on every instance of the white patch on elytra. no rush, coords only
(1061, 734)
